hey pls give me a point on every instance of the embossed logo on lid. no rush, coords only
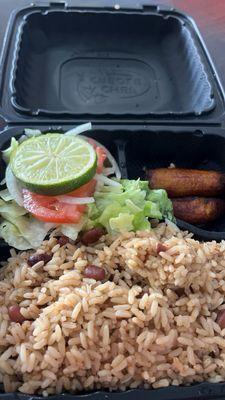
(107, 82)
(103, 84)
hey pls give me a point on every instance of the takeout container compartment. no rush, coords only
(105, 64)
(139, 148)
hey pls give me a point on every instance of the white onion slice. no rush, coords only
(79, 129)
(75, 200)
(109, 156)
(28, 133)
(108, 171)
(22, 138)
(32, 132)
(106, 181)
(99, 185)
(3, 182)
(13, 186)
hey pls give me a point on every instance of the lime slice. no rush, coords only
(53, 163)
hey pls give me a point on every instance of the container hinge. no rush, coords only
(58, 4)
(149, 7)
(156, 8)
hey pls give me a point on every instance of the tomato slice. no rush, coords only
(86, 190)
(49, 209)
(101, 156)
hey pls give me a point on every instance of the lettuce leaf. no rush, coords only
(122, 223)
(12, 236)
(129, 207)
(72, 230)
(160, 197)
(20, 229)
(5, 195)
(11, 210)
(32, 230)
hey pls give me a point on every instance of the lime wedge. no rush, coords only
(53, 163)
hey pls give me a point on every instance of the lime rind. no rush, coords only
(54, 164)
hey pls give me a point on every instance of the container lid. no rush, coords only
(142, 64)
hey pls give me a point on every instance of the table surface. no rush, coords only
(208, 14)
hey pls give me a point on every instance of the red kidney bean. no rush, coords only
(221, 319)
(35, 258)
(94, 272)
(15, 314)
(92, 236)
(179, 291)
(160, 247)
(62, 240)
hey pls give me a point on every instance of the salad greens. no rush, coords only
(20, 229)
(119, 204)
(129, 206)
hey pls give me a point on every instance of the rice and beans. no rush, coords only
(141, 309)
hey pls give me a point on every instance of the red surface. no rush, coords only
(210, 18)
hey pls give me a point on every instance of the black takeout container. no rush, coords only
(143, 76)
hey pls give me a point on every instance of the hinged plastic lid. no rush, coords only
(142, 64)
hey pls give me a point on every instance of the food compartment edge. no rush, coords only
(201, 391)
